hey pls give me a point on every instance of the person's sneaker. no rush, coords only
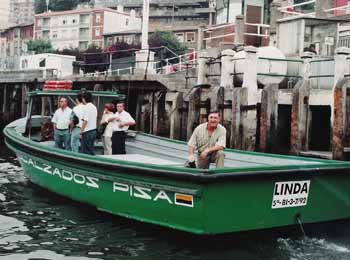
(189, 164)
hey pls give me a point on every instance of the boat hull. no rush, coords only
(197, 203)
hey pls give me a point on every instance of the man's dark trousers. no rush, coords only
(118, 142)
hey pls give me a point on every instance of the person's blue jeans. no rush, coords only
(62, 139)
(88, 142)
(75, 139)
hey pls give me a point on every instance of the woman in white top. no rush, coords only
(107, 135)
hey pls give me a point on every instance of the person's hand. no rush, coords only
(121, 124)
(191, 158)
(118, 119)
(204, 154)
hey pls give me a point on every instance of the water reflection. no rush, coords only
(36, 224)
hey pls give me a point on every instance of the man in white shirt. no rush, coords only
(89, 122)
(123, 121)
(61, 121)
(75, 128)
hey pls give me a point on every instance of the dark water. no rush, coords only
(37, 225)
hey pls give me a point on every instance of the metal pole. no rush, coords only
(172, 20)
(47, 5)
(145, 18)
(228, 12)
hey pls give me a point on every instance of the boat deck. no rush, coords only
(152, 150)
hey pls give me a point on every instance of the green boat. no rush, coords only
(253, 191)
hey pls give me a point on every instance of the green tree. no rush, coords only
(92, 48)
(167, 39)
(40, 6)
(62, 5)
(72, 52)
(57, 5)
(40, 46)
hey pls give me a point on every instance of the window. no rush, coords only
(98, 18)
(126, 21)
(84, 19)
(74, 33)
(83, 45)
(24, 63)
(64, 21)
(190, 37)
(180, 37)
(46, 22)
(54, 34)
(73, 21)
(42, 62)
(46, 35)
(97, 32)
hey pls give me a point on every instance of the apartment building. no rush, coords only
(81, 27)
(4, 13)
(22, 11)
(182, 17)
(14, 12)
(13, 44)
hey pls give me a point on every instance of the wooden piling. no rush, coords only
(5, 108)
(24, 93)
(341, 128)
(158, 127)
(239, 99)
(300, 112)
(176, 101)
(217, 100)
(268, 118)
(194, 107)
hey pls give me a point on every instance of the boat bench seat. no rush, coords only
(140, 158)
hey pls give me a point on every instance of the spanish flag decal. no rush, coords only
(184, 200)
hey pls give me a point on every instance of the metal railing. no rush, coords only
(165, 66)
(262, 30)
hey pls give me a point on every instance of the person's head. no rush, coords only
(109, 107)
(63, 102)
(79, 98)
(213, 119)
(120, 106)
(86, 97)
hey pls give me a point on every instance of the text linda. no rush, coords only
(291, 188)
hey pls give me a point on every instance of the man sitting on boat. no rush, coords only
(61, 120)
(208, 142)
(88, 128)
(123, 121)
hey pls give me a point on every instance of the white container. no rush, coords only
(265, 66)
(62, 63)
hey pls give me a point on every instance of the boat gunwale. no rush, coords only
(200, 175)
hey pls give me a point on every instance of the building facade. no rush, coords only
(4, 13)
(253, 10)
(82, 27)
(13, 44)
(182, 17)
(22, 11)
(187, 35)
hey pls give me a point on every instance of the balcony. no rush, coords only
(84, 37)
